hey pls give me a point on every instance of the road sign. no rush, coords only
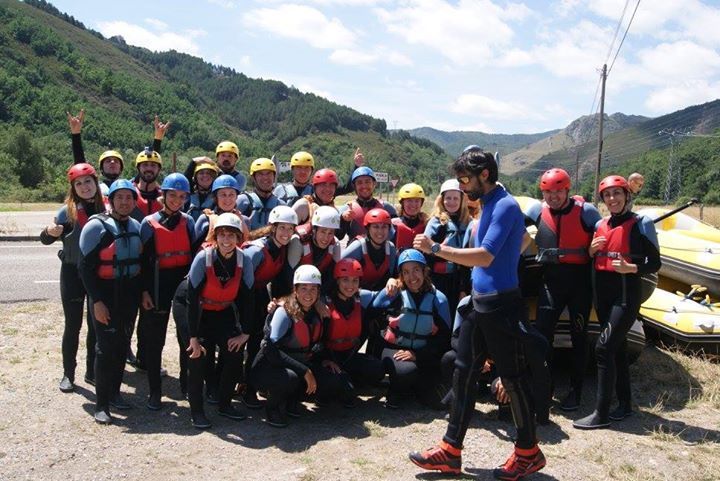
(284, 167)
(381, 177)
(394, 182)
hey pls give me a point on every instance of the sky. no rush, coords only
(492, 66)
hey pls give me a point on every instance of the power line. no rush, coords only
(617, 29)
(624, 35)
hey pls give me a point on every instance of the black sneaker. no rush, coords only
(571, 401)
(199, 421)
(89, 379)
(293, 409)
(620, 413)
(349, 402)
(275, 418)
(154, 402)
(392, 401)
(251, 400)
(102, 417)
(231, 412)
(593, 421)
(211, 397)
(131, 359)
(66, 385)
(118, 402)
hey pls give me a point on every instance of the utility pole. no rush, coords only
(577, 167)
(600, 133)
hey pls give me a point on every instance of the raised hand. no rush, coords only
(358, 158)
(76, 121)
(160, 128)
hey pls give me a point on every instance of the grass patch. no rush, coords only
(27, 206)
(375, 429)
(10, 331)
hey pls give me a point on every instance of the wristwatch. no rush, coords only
(435, 248)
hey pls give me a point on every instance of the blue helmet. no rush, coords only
(225, 181)
(411, 255)
(176, 181)
(121, 184)
(360, 171)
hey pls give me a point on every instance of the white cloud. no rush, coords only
(224, 3)
(302, 23)
(515, 58)
(157, 24)
(575, 53)
(153, 40)
(490, 108)
(467, 32)
(307, 88)
(681, 95)
(352, 57)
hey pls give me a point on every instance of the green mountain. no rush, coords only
(454, 142)
(627, 145)
(50, 63)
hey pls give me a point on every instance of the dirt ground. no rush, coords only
(51, 435)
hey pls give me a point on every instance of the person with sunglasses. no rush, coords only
(500, 315)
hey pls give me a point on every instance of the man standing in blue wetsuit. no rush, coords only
(500, 318)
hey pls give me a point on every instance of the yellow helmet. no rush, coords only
(262, 163)
(302, 159)
(205, 166)
(411, 191)
(148, 155)
(109, 153)
(227, 146)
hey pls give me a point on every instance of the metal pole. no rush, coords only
(600, 134)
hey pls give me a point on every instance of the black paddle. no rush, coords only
(676, 210)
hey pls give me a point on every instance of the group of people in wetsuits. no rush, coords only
(270, 304)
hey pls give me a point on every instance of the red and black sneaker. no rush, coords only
(521, 463)
(442, 457)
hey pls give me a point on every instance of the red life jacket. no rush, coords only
(405, 235)
(562, 238)
(172, 246)
(269, 268)
(81, 216)
(146, 206)
(326, 261)
(302, 338)
(344, 332)
(358, 216)
(617, 245)
(216, 296)
(372, 274)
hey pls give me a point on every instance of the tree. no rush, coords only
(29, 162)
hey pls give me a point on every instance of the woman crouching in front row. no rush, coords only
(290, 362)
(219, 308)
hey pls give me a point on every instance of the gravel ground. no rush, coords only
(51, 435)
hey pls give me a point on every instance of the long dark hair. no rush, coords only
(72, 200)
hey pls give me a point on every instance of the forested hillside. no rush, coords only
(50, 63)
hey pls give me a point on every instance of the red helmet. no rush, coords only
(613, 181)
(325, 175)
(78, 170)
(348, 268)
(376, 216)
(555, 179)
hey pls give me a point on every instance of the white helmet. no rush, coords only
(307, 274)
(228, 219)
(450, 184)
(326, 216)
(283, 213)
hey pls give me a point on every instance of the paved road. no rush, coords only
(29, 271)
(24, 223)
